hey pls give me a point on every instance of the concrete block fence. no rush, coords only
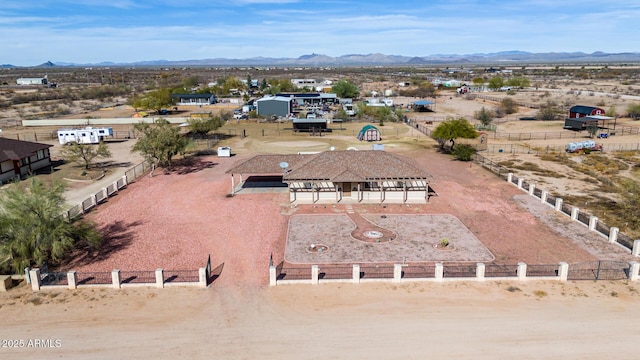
(441, 273)
(612, 234)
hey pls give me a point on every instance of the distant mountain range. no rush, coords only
(505, 57)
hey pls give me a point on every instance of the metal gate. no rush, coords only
(599, 270)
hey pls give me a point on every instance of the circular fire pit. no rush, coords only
(317, 248)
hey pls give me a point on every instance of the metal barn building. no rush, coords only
(274, 105)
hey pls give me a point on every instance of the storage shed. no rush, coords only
(583, 123)
(369, 133)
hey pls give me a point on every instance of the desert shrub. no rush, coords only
(463, 152)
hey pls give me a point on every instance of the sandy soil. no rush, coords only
(456, 320)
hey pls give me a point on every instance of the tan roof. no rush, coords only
(267, 164)
(335, 166)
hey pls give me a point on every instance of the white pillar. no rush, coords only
(233, 187)
(34, 274)
(94, 200)
(480, 271)
(634, 268)
(532, 188)
(115, 187)
(520, 181)
(636, 248)
(439, 272)
(314, 274)
(159, 278)
(72, 279)
(543, 196)
(613, 234)
(356, 274)
(574, 213)
(397, 272)
(115, 279)
(593, 220)
(273, 278)
(559, 204)
(202, 277)
(563, 271)
(510, 177)
(124, 180)
(522, 271)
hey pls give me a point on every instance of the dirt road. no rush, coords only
(456, 320)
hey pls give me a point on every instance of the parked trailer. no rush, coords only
(87, 135)
(578, 146)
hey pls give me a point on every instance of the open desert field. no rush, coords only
(176, 219)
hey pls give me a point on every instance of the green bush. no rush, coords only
(463, 152)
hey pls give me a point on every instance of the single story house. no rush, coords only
(194, 99)
(579, 111)
(279, 106)
(342, 176)
(19, 158)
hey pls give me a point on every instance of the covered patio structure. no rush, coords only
(343, 176)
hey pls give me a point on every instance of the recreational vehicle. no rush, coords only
(87, 135)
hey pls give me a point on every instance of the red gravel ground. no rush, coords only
(174, 221)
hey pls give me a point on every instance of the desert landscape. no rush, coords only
(179, 217)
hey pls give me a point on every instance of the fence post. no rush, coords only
(613, 234)
(397, 272)
(559, 204)
(574, 213)
(115, 187)
(634, 267)
(543, 196)
(356, 274)
(27, 275)
(72, 279)
(314, 274)
(202, 277)
(510, 178)
(124, 180)
(439, 275)
(520, 181)
(115, 279)
(522, 271)
(94, 200)
(593, 220)
(532, 188)
(273, 279)
(480, 271)
(636, 248)
(34, 274)
(159, 278)
(563, 271)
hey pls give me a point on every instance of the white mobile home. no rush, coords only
(87, 135)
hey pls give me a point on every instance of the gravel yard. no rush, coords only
(175, 220)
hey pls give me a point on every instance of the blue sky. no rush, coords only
(92, 31)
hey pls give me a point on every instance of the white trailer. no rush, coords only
(87, 135)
